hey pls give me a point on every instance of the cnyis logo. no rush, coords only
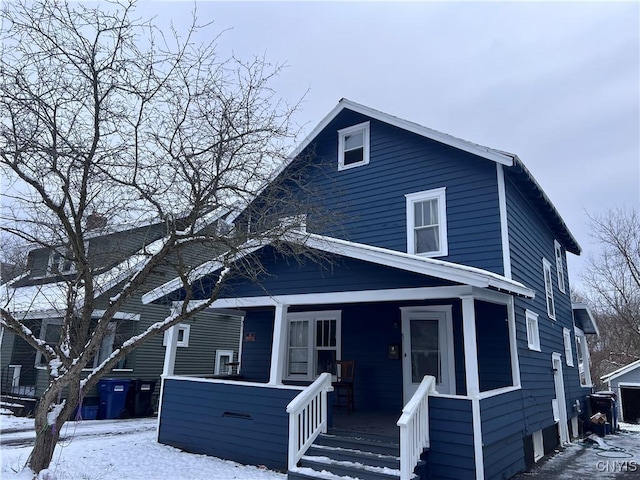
(616, 466)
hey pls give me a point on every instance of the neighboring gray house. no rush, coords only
(209, 342)
(625, 383)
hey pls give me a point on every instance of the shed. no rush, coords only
(625, 383)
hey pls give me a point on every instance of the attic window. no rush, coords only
(353, 146)
(60, 264)
(427, 223)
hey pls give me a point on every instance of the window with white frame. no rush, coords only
(559, 265)
(182, 330)
(533, 335)
(538, 445)
(427, 223)
(548, 289)
(50, 330)
(313, 344)
(353, 146)
(582, 352)
(568, 350)
(224, 359)
(60, 263)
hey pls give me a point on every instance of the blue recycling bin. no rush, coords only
(113, 395)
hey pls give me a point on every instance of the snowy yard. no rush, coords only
(105, 450)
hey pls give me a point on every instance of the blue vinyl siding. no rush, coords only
(256, 354)
(530, 240)
(451, 455)
(247, 424)
(400, 163)
(502, 435)
(494, 358)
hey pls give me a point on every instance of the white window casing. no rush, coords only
(548, 288)
(353, 146)
(568, 350)
(426, 214)
(313, 343)
(533, 334)
(182, 330)
(538, 445)
(224, 358)
(582, 352)
(559, 266)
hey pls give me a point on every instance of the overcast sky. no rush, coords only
(555, 83)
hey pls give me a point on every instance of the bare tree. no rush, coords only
(612, 279)
(102, 113)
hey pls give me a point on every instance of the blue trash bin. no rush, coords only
(113, 394)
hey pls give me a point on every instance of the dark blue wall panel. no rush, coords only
(256, 345)
(494, 357)
(246, 424)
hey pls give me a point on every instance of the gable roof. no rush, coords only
(431, 267)
(522, 175)
(621, 371)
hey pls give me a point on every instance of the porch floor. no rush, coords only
(369, 423)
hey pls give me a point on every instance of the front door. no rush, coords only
(427, 345)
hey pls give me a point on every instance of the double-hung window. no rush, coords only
(533, 335)
(548, 289)
(568, 349)
(313, 344)
(353, 146)
(427, 223)
(559, 265)
(60, 263)
(582, 352)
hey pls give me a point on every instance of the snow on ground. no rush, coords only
(104, 450)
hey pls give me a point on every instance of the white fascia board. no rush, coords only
(620, 371)
(361, 296)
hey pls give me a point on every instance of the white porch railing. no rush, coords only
(307, 417)
(414, 427)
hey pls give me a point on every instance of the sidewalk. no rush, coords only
(615, 456)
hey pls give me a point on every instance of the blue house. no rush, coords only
(447, 288)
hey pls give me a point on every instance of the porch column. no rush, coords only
(170, 351)
(472, 377)
(278, 347)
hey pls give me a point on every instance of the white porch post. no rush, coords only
(278, 347)
(170, 351)
(472, 377)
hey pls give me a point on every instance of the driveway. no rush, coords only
(615, 456)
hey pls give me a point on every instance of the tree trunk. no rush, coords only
(47, 436)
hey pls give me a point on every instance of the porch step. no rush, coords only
(353, 456)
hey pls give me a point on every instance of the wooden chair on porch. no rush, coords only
(343, 386)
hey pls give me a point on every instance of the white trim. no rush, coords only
(134, 317)
(279, 344)
(470, 345)
(548, 288)
(342, 133)
(620, 371)
(477, 438)
(583, 306)
(586, 359)
(513, 342)
(575, 432)
(538, 445)
(533, 335)
(568, 349)
(170, 351)
(185, 328)
(311, 317)
(498, 391)
(438, 194)
(557, 249)
(504, 224)
(558, 379)
(442, 313)
(219, 355)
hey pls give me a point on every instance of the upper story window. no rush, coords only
(427, 223)
(353, 146)
(548, 288)
(568, 350)
(559, 265)
(60, 264)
